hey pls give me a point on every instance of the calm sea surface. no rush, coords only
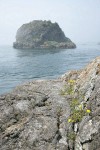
(18, 66)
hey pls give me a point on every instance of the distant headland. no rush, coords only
(40, 34)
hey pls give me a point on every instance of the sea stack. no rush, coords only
(40, 34)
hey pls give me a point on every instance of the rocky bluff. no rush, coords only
(40, 34)
(34, 116)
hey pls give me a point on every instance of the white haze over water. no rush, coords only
(79, 19)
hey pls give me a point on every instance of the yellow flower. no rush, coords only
(88, 110)
(71, 81)
(69, 120)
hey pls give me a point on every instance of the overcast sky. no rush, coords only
(79, 19)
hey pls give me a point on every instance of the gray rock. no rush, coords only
(40, 34)
(89, 129)
(34, 116)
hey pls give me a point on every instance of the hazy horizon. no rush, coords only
(79, 19)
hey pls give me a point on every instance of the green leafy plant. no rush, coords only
(77, 106)
(78, 109)
(71, 136)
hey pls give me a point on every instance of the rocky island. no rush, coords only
(40, 34)
(35, 116)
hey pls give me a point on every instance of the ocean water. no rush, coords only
(18, 66)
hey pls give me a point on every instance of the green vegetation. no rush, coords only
(78, 109)
(72, 136)
(77, 106)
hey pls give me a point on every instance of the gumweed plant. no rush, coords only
(78, 109)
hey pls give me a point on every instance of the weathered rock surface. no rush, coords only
(40, 34)
(34, 115)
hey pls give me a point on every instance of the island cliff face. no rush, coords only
(40, 34)
(35, 115)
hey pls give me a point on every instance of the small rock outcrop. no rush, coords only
(40, 34)
(35, 115)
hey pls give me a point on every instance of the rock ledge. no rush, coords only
(34, 116)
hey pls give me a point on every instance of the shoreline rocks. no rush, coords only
(40, 34)
(34, 116)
